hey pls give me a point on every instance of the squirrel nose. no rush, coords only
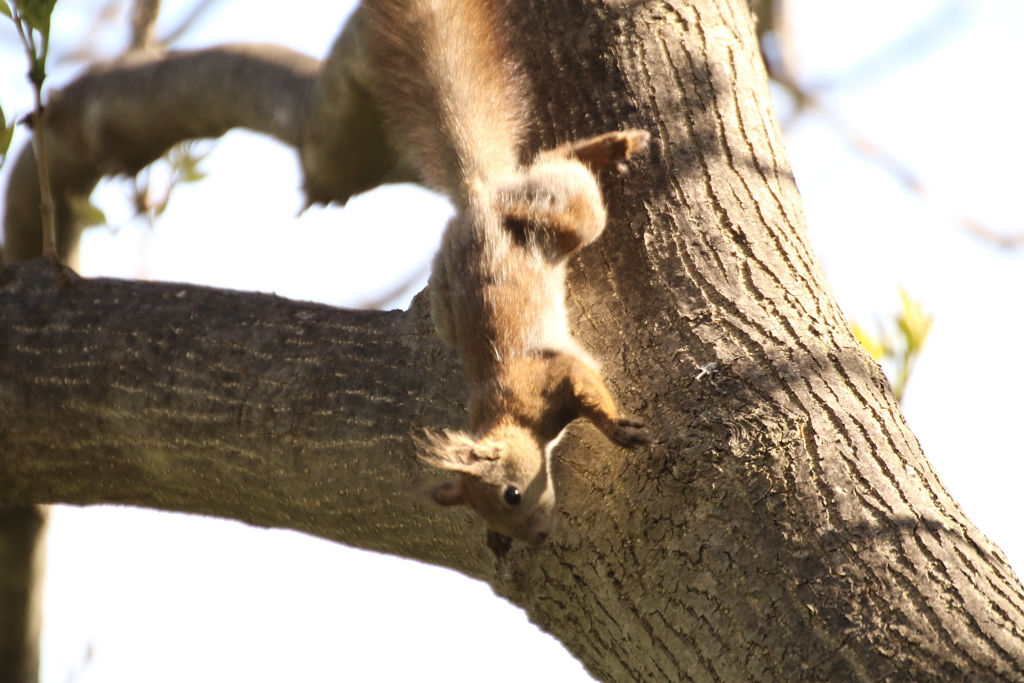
(541, 536)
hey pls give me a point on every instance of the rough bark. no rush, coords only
(786, 526)
(226, 404)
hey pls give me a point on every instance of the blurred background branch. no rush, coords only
(809, 96)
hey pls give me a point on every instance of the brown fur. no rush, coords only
(456, 107)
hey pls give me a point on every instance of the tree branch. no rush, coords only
(120, 116)
(125, 114)
(144, 16)
(243, 406)
(786, 526)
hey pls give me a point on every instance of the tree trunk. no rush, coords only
(785, 527)
(22, 555)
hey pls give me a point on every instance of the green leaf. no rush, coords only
(37, 14)
(913, 322)
(6, 132)
(5, 10)
(158, 209)
(876, 348)
(185, 160)
(86, 213)
(192, 175)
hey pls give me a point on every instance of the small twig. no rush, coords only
(88, 49)
(202, 7)
(910, 180)
(26, 38)
(47, 208)
(400, 290)
(927, 35)
(144, 18)
(46, 205)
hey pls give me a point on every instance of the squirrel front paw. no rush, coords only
(499, 544)
(628, 433)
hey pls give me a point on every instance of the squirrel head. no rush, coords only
(503, 477)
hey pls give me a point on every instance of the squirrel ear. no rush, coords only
(449, 494)
(608, 151)
(449, 451)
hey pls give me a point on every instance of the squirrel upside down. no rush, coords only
(457, 109)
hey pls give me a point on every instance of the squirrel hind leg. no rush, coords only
(609, 151)
(556, 201)
(555, 204)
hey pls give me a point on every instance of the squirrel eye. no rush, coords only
(512, 495)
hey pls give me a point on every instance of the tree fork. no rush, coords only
(786, 527)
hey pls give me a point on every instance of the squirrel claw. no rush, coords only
(629, 433)
(499, 544)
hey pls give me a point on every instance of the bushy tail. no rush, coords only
(455, 101)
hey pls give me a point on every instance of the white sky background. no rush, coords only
(139, 595)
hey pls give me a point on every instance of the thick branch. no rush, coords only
(244, 406)
(786, 527)
(123, 115)
(119, 117)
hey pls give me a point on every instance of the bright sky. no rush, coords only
(138, 595)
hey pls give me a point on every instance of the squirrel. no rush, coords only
(456, 107)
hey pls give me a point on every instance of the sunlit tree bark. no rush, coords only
(784, 527)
